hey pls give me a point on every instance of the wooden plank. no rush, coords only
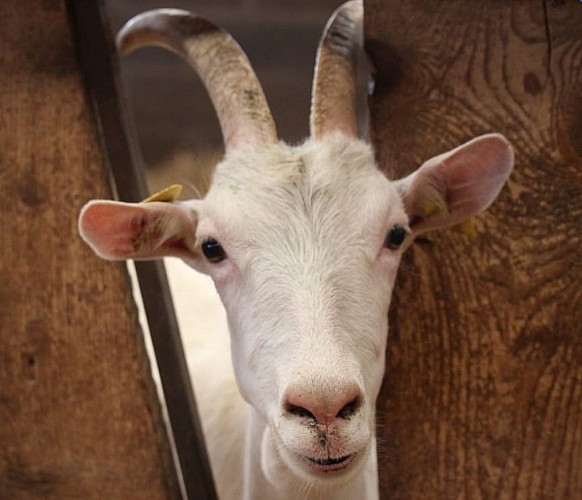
(99, 63)
(79, 416)
(483, 389)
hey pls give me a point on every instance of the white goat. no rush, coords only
(303, 244)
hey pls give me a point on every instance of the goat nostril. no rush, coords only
(349, 409)
(299, 411)
(321, 405)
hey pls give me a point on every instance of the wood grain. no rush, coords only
(79, 417)
(483, 390)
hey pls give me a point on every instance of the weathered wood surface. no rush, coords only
(483, 389)
(99, 65)
(78, 413)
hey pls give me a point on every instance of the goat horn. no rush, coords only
(333, 106)
(222, 65)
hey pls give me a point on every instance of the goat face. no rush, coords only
(303, 243)
(306, 278)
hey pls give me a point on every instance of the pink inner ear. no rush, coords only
(118, 231)
(111, 228)
(474, 173)
(454, 186)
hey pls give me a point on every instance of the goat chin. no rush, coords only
(283, 466)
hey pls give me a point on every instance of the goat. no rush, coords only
(303, 244)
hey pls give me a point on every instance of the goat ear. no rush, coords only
(456, 185)
(118, 231)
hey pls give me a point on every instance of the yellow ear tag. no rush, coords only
(436, 206)
(466, 228)
(432, 207)
(167, 195)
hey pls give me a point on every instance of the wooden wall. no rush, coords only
(79, 417)
(483, 390)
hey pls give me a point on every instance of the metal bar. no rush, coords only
(99, 64)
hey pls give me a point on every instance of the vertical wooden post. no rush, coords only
(483, 389)
(79, 417)
(99, 64)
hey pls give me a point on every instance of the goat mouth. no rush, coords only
(330, 464)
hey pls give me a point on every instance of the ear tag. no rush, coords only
(436, 205)
(466, 228)
(167, 194)
(432, 206)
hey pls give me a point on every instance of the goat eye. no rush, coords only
(395, 237)
(213, 250)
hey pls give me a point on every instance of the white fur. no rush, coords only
(306, 287)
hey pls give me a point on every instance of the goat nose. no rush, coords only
(323, 406)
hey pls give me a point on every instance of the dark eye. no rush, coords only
(395, 237)
(213, 250)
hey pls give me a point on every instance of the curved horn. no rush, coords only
(333, 106)
(222, 65)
